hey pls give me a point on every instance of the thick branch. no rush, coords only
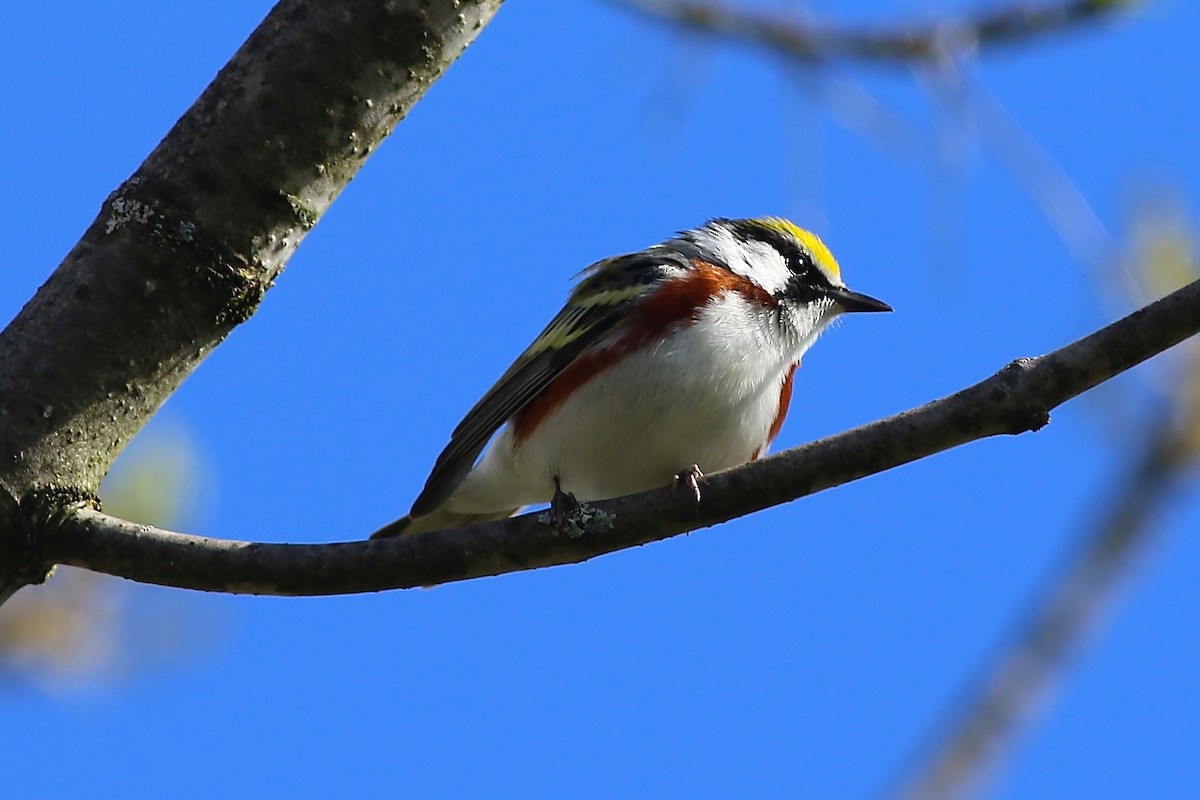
(186, 248)
(805, 41)
(1017, 399)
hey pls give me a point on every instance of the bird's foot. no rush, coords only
(690, 478)
(563, 508)
(573, 519)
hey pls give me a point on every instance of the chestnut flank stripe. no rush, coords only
(675, 303)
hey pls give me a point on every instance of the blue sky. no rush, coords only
(805, 651)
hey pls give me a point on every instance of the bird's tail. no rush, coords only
(441, 519)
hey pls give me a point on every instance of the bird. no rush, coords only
(663, 364)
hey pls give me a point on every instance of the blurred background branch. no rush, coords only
(805, 39)
(942, 53)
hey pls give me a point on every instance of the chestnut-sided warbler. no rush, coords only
(674, 359)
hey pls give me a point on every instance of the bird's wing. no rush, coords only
(594, 310)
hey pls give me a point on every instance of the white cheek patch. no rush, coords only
(757, 261)
(765, 266)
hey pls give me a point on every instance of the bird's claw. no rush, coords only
(563, 507)
(691, 478)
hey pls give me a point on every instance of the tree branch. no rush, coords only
(186, 248)
(1016, 399)
(805, 41)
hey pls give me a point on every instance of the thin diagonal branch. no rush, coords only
(805, 40)
(1006, 698)
(1016, 399)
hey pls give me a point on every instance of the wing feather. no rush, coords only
(593, 312)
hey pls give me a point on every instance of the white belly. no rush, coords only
(706, 395)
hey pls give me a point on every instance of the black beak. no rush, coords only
(855, 301)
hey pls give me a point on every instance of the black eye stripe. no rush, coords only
(802, 289)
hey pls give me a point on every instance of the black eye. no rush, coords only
(802, 267)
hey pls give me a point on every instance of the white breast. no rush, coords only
(706, 395)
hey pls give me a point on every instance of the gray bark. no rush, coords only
(186, 248)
